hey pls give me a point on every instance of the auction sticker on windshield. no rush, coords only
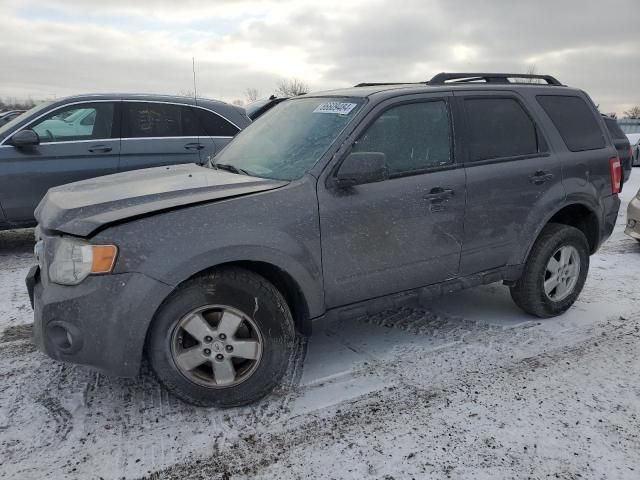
(335, 107)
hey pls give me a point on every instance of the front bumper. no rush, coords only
(101, 322)
(633, 219)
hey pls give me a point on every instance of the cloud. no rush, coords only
(71, 46)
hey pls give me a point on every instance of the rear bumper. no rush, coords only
(101, 322)
(633, 219)
(611, 206)
(627, 166)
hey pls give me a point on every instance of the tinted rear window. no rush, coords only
(614, 128)
(169, 120)
(142, 120)
(575, 121)
(498, 128)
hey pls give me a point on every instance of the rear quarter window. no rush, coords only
(575, 121)
(214, 125)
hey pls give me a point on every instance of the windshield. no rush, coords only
(289, 139)
(9, 125)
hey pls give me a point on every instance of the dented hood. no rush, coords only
(81, 208)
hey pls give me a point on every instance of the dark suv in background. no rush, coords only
(621, 142)
(262, 106)
(331, 204)
(87, 136)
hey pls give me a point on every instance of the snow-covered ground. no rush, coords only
(468, 387)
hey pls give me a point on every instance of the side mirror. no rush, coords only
(362, 167)
(25, 138)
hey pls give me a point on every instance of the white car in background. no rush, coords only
(70, 124)
(634, 140)
(631, 128)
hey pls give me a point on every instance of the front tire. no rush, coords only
(554, 273)
(223, 339)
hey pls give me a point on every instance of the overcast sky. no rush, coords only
(62, 47)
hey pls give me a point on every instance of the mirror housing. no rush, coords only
(25, 138)
(362, 167)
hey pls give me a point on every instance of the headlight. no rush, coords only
(74, 260)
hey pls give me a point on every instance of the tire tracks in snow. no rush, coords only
(254, 454)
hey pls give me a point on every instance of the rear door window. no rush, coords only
(145, 120)
(575, 121)
(498, 128)
(197, 122)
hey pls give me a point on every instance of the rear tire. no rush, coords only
(549, 286)
(196, 360)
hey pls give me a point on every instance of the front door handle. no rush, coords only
(100, 149)
(193, 146)
(540, 177)
(439, 194)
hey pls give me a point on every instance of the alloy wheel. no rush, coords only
(216, 346)
(562, 273)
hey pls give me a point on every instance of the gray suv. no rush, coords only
(331, 204)
(87, 136)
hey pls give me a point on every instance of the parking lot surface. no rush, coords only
(466, 387)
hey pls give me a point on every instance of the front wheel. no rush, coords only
(554, 273)
(223, 339)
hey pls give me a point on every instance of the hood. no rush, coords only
(633, 138)
(81, 208)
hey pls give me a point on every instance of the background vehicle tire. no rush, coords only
(554, 273)
(223, 339)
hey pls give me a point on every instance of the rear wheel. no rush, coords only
(224, 339)
(554, 273)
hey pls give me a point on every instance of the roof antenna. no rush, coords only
(195, 90)
(210, 160)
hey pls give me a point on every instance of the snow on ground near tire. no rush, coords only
(468, 387)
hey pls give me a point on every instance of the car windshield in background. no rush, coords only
(289, 139)
(9, 126)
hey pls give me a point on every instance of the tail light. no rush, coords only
(616, 174)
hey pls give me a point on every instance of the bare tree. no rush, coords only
(531, 70)
(252, 94)
(13, 103)
(633, 112)
(185, 93)
(292, 87)
(239, 102)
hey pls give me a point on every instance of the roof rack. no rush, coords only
(384, 84)
(442, 78)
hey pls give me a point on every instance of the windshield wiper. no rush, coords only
(230, 168)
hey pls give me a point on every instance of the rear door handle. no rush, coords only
(100, 149)
(540, 177)
(439, 194)
(193, 146)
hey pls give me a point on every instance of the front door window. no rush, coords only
(87, 121)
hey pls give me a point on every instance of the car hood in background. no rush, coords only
(634, 138)
(81, 208)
